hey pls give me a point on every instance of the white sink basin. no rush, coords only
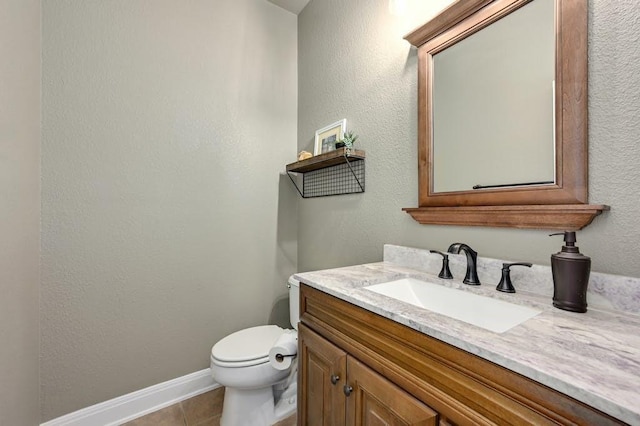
(491, 314)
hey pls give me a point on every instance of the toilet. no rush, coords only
(257, 393)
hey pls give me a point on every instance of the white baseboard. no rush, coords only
(136, 404)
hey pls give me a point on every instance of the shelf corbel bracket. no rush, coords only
(346, 159)
(295, 184)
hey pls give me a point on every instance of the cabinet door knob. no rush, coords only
(347, 390)
(334, 379)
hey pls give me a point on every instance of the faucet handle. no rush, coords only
(505, 285)
(445, 272)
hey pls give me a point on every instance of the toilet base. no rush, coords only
(287, 404)
(255, 407)
(248, 407)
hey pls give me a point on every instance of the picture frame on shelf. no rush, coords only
(327, 137)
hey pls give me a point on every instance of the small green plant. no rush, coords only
(349, 139)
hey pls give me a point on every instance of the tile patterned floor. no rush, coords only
(201, 410)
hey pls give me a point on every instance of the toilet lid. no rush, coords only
(248, 344)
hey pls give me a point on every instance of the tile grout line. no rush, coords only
(184, 416)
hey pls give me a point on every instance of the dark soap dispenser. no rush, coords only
(570, 270)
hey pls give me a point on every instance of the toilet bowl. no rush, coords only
(257, 393)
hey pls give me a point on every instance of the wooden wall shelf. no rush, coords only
(570, 217)
(332, 173)
(339, 156)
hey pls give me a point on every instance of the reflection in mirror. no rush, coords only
(493, 104)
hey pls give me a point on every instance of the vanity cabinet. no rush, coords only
(395, 373)
(340, 390)
(322, 370)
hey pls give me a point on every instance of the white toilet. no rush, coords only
(257, 393)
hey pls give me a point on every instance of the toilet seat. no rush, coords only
(246, 347)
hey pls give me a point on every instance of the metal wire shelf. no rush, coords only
(334, 173)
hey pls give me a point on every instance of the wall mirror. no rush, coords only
(502, 104)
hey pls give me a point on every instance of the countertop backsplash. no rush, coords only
(605, 291)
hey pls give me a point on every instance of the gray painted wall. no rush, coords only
(166, 223)
(19, 210)
(163, 207)
(354, 64)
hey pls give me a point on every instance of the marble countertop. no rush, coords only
(593, 357)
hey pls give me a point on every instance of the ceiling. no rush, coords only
(293, 6)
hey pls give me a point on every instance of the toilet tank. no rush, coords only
(294, 302)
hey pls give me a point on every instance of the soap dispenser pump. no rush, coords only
(570, 270)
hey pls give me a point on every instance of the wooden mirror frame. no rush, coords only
(558, 206)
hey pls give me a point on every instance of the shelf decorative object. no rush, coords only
(347, 141)
(327, 137)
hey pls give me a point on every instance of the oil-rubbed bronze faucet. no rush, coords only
(471, 277)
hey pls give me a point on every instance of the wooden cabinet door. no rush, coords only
(322, 376)
(375, 401)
